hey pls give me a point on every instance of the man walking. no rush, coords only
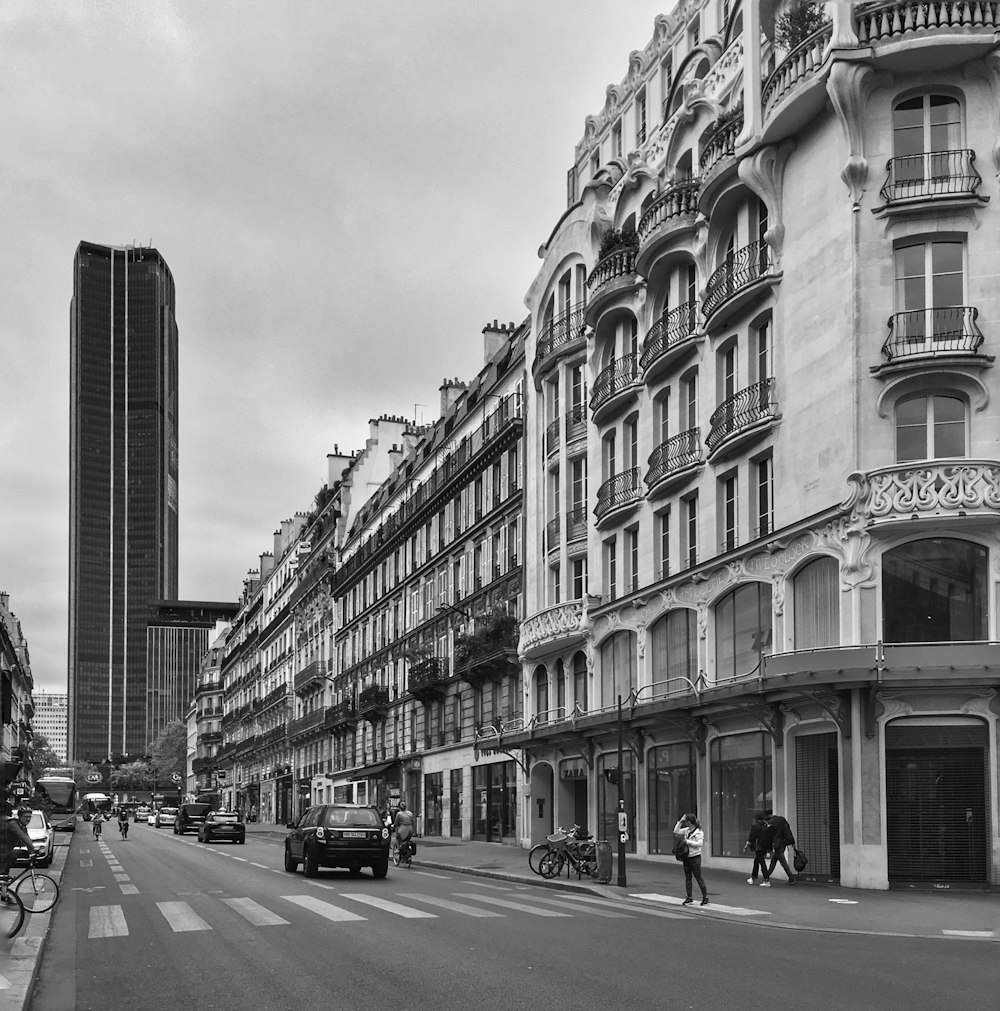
(782, 838)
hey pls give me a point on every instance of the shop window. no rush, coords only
(609, 781)
(816, 592)
(742, 629)
(670, 792)
(618, 667)
(935, 590)
(741, 785)
(930, 428)
(675, 650)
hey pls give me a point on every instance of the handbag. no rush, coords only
(799, 861)
(681, 849)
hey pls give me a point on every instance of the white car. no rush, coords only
(43, 837)
(143, 813)
(165, 817)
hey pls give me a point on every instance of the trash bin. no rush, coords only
(604, 862)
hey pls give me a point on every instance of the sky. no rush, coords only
(345, 192)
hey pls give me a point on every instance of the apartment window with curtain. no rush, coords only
(816, 597)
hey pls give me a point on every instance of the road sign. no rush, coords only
(93, 777)
(623, 836)
(176, 777)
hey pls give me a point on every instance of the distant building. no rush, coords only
(50, 720)
(123, 488)
(15, 691)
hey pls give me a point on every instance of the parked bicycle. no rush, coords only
(37, 890)
(573, 848)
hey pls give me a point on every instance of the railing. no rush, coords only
(945, 330)
(619, 263)
(742, 411)
(552, 437)
(680, 199)
(679, 451)
(375, 697)
(576, 423)
(576, 524)
(428, 674)
(745, 266)
(798, 66)
(722, 144)
(668, 331)
(311, 721)
(880, 22)
(340, 714)
(315, 671)
(620, 490)
(552, 535)
(931, 174)
(557, 622)
(619, 376)
(559, 331)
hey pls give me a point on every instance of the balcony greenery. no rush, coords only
(496, 632)
(797, 23)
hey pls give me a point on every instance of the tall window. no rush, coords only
(579, 578)
(541, 694)
(930, 295)
(935, 590)
(675, 647)
(610, 452)
(662, 527)
(618, 663)
(580, 681)
(632, 548)
(689, 401)
(728, 511)
(930, 428)
(611, 568)
(631, 441)
(741, 784)
(926, 141)
(816, 591)
(742, 628)
(763, 471)
(616, 140)
(640, 117)
(762, 349)
(690, 530)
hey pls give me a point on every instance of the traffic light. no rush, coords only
(611, 775)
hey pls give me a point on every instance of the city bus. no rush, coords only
(57, 797)
(94, 802)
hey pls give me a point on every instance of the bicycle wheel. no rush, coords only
(395, 853)
(11, 913)
(535, 855)
(551, 865)
(38, 892)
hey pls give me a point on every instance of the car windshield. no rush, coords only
(351, 817)
(226, 816)
(37, 821)
(196, 810)
(168, 810)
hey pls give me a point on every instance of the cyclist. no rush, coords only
(123, 822)
(97, 821)
(404, 825)
(13, 834)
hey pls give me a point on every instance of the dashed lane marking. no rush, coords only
(263, 867)
(507, 904)
(427, 874)
(255, 914)
(181, 917)
(122, 877)
(407, 912)
(970, 933)
(86, 863)
(129, 890)
(107, 921)
(455, 907)
(5, 983)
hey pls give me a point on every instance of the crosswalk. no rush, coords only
(111, 920)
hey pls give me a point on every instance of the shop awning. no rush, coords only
(374, 770)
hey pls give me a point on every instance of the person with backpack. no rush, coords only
(758, 842)
(781, 838)
(689, 835)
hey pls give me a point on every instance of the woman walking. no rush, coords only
(688, 830)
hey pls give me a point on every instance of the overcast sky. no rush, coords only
(345, 191)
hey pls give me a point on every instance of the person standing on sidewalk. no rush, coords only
(758, 842)
(782, 838)
(688, 829)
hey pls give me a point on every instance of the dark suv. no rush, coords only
(338, 835)
(190, 817)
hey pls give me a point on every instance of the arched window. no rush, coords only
(580, 682)
(934, 590)
(617, 667)
(541, 694)
(742, 628)
(816, 590)
(675, 647)
(930, 428)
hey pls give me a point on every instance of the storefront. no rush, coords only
(494, 796)
(378, 785)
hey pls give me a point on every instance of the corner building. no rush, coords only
(763, 489)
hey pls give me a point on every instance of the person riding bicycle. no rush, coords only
(13, 834)
(98, 821)
(123, 822)
(404, 824)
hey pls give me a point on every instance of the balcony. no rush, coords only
(552, 536)
(211, 737)
(673, 461)
(737, 282)
(613, 275)
(576, 425)
(902, 20)
(938, 490)
(618, 495)
(673, 334)
(798, 67)
(615, 386)
(275, 735)
(576, 525)
(560, 336)
(341, 716)
(553, 629)
(489, 653)
(948, 177)
(373, 703)
(311, 676)
(742, 418)
(306, 724)
(671, 213)
(429, 679)
(948, 332)
(552, 438)
(718, 157)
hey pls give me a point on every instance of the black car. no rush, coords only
(222, 825)
(338, 835)
(190, 817)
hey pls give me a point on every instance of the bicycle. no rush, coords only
(557, 842)
(37, 890)
(11, 908)
(573, 849)
(402, 854)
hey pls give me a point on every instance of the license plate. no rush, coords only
(355, 835)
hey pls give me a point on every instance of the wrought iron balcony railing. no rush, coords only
(670, 330)
(617, 492)
(745, 410)
(676, 454)
(742, 269)
(340, 715)
(576, 524)
(618, 377)
(576, 423)
(560, 331)
(373, 700)
(931, 174)
(552, 535)
(429, 677)
(679, 200)
(944, 330)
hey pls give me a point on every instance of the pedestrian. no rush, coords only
(688, 830)
(782, 837)
(758, 842)
(97, 821)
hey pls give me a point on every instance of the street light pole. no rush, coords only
(622, 814)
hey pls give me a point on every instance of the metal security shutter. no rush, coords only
(817, 828)
(936, 803)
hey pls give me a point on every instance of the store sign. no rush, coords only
(575, 769)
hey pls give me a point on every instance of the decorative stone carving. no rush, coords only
(849, 86)
(989, 68)
(844, 36)
(552, 623)
(764, 173)
(984, 703)
(889, 707)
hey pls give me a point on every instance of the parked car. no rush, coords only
(222, 825)
(338, 835)
(190, 817)
(142, 813)
(43, 836)
(165, 817)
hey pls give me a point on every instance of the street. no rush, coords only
(162, 921)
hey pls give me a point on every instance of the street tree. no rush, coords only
(132, 776)
(42, 755)
(169, 750)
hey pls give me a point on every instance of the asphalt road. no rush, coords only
(160, 921)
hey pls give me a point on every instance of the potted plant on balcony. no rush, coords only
(616, 238)
(797, 22)
(487, 650)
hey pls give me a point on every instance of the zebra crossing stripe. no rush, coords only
(254, 913)
(642, 910)
(107, 921)
(407, 912)
(455, 907)
(129, 890)
(327, 909)
(673, 900)
(507, 904)
(5, 983)
(591, 910)
(181, 917)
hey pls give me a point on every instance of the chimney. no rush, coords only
(336, 464)
(266, 565)
(451, 390)
(495, 338)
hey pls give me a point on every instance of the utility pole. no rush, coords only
(622, 813)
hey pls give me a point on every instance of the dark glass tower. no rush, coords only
(123, 488)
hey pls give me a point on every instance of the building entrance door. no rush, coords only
(817, 828)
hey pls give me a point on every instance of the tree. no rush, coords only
(169, 750)
(42, 755)
(797, 23)
(81, 770)
(132, 776)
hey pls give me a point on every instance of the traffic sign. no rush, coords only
(93, 777)
(623, 836)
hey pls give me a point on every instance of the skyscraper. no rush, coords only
(123, 488)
